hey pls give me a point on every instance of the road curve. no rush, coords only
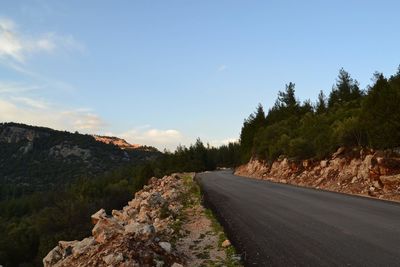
(282, 225)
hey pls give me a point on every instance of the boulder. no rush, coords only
(53, 257)
(166, 246)
(83, 246)
(106, 228)
(98, 215)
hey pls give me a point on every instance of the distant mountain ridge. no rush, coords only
(35, 158)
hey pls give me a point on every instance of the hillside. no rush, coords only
(52, 181)
(37, 158)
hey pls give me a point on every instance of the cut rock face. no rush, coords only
(345, 171)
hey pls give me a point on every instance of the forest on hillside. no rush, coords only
(348, 116)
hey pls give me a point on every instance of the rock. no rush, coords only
(319, 181)
(166, 246)
(135, 203)
(323, 163)
(98, 215)
(133, 228)
(153, 181)
(144, 215)
(113, 259)
(391, 182)
(83, 246)
(306, 164)
(226, 243)
(176, 265)
(66, 247)
(338, 152)
(54, 256)
(371, 189)
(129, 263)
(106, 228)
(120, 215)
(159, 263)
(147, 232)
(376, 184)
(156, 199)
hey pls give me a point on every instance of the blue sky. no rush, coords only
(165, 72)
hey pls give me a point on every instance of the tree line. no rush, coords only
(348, 117)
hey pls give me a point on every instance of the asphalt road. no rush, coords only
(282, 225)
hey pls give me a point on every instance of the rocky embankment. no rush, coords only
(164, 225)
(352, 171)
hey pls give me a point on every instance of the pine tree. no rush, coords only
(321, 103)
(345, 90)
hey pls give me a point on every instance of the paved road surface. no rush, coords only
(282, 225)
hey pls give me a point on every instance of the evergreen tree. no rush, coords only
(250, 126)
(381, 113)
(287, 98)
(345, 90)
(321, 105)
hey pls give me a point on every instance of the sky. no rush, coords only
(163, 73)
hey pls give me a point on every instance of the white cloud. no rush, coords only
(38, 112)
(33, 103)
(222, 68)
(169, 138)
(83, 120)
(17, 46)
(217, 143)
(14, 87)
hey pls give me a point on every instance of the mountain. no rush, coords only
(37, 158)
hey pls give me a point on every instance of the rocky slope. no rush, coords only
(353, 171)
(164, 225)
(36, 158)
(122, 143)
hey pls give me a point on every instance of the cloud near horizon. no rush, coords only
(162, 139)
(41, 113)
